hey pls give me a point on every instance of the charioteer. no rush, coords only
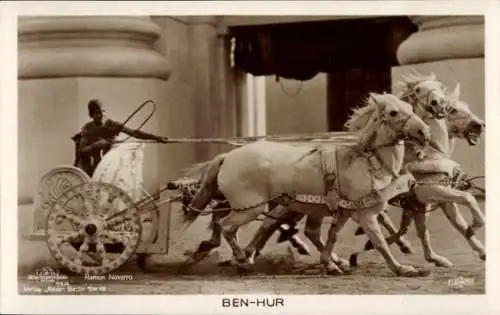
(98, 135)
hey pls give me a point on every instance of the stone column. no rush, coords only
(202, 97)
(253, 105)
(453, 48)
(212, 83)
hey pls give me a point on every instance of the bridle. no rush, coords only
(398, 129)
(456, 120)
(416, 97)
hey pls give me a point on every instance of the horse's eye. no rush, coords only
(417, 90)
(434, 102)
(393, 113)
(453, 110)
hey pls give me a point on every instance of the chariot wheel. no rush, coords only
(93, 228)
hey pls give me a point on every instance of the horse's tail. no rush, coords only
(208, 172)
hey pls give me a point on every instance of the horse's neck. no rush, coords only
(440, 139)
(392, 156)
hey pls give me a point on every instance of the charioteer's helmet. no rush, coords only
(95, 105)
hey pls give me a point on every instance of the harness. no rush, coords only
(331, 170)
(333, 195)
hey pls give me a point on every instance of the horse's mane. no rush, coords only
(362, 120)
(409, 81)
(360, 117)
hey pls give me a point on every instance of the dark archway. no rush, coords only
(357, 54)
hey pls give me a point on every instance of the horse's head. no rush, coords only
(462, 122)
(398, 116)
(426, 94)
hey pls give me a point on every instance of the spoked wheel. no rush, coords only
(93, 228)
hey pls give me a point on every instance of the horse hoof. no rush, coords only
(353, 260)
(225, 263)
(483, 257)
(199, 256)
(441, 262)
(334, 271)
(423, 273)
(344, 265)
(410, 271)
(243, 269)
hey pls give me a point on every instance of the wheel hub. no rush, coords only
(91, 229)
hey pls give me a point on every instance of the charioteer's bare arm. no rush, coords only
(142, 135)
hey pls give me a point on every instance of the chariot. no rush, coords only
(94, 225)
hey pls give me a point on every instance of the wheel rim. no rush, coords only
(81, 238)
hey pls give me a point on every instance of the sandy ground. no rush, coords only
(280, 271)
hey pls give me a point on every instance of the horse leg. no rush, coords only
(420, 216)
(265, 231)
(278, 215)
(230, 224)
(215, 240)
(403, 244)
(368, 220)
(328, 256)
(457, 220)
(441, 194)
(313, 233)
(406, 219)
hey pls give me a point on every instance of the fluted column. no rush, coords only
(452, 47)
(89, 46)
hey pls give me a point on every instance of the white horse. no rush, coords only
(427, 93)
(460, 123)
(362, 178)
(429, 99)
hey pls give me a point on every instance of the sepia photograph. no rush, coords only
(250, 156)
